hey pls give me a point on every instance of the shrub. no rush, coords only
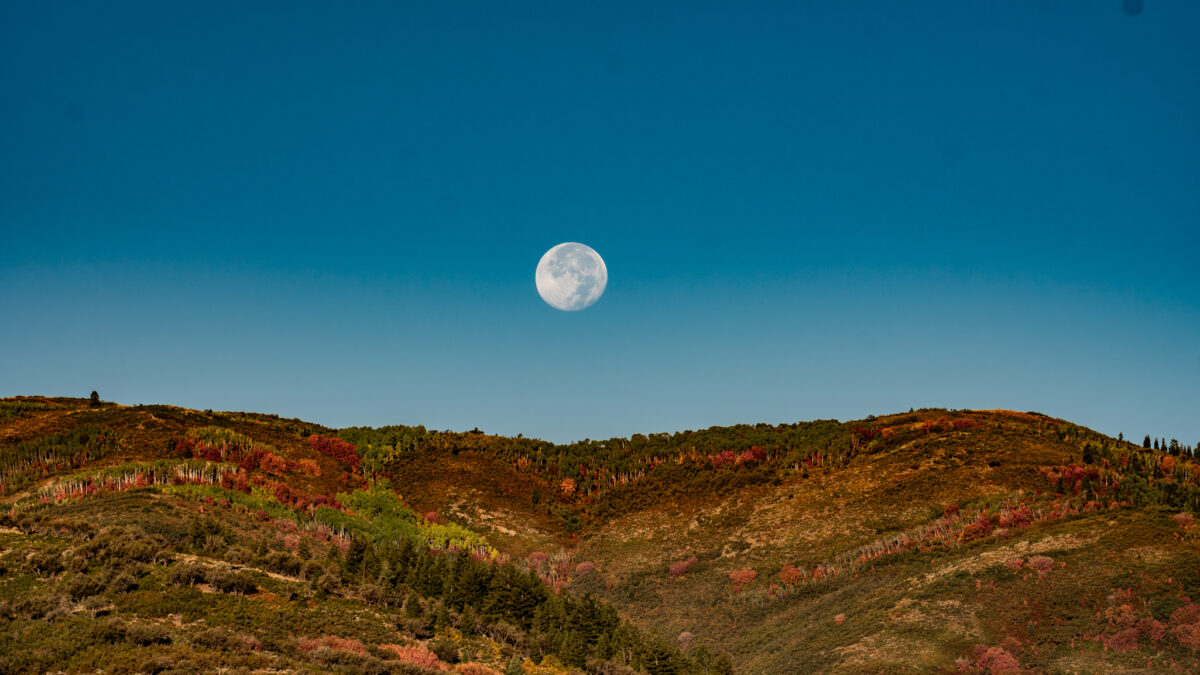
(82, 586)
(228, 581)
(417, 655)
(39, 605)
(122, 582)
(1184, 519)
(1151, 629)
(239, 555)
(995, 660)
(112, 630)
(148, 634)
(445, 649)
(679, 568)
(1043, 564)
(790, 575)
(280, 562)
(187, 575)
(273, 464)
(584, 567)
(336, 448)
(217, 638)
(1123, 641)
(742, 577)
(309, 467)
(839, 619)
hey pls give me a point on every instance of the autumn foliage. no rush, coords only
(742, 577)
(336, 448)
(680, 567)
(790, 575)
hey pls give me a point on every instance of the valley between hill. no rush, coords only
(155, 539)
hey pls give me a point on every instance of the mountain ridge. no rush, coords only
(746, 539)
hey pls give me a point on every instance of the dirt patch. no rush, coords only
(999, 556)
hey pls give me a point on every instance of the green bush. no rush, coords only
(148, 634)
(228, 581)
(445, 649)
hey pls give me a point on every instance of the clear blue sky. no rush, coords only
(807, 210)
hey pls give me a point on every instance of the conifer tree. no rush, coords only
(467, 621)
(443, 617)
(412, 606)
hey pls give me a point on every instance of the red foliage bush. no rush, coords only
(432, 517)
(272, 463)
(1188, 635)
(309, 467)
(965, 423)
(336, 448)
(1043, 564)
(1184, 519)
(723, 458)
(790, 575)
(982, 527)
(417, 655)
(839, 619)
(679, 568)
(1187, 614)
(996, 660)
(743, 577)
(584, 567)
(756, 453)
(867, 434)
(1122, 641)
(1151, 629)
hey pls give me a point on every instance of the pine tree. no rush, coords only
(467, 621)
(412, 606)
(1146, 442)
(443, 617)
(574, 650)
(95, 400)
(516, 666)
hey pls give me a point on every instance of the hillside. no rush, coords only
(934, 541)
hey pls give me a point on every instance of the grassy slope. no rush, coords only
(917, 608)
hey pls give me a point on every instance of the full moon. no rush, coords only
(571, 277)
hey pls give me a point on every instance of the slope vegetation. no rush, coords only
(930, 541)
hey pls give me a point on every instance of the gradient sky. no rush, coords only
(807, 210)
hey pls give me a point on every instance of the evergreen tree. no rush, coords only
(1146, 442)
(443, 617)
(412, 606)
(354, 557)
(574, 650)
(467, 621)
(95, 400)
(516, 666)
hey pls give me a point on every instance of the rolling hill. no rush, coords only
(154, 538)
